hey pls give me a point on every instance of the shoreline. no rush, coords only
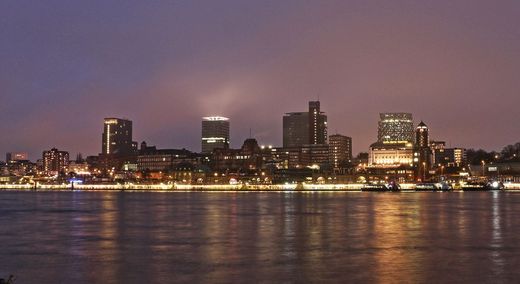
(405, 188)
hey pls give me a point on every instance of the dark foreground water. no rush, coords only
(136, 237)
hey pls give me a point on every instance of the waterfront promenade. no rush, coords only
(237, 187)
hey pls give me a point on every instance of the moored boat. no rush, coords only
(382, 187)
(439, 186)
(483, 186)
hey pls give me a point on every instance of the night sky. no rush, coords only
(65, 65)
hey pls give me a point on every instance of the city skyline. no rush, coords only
(452, 65)
(263, 141)
(196, 149)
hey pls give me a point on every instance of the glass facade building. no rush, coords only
(395, 128)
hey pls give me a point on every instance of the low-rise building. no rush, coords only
(390, 155)
(155, 160)
(450, 157)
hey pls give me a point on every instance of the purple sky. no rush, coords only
(65, 65)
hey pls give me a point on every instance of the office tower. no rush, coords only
(301, 128)
(55, 161)
(395, 128)
(422, 154)
(422, 139)
(295, 129)
(117, 137)
(215, 133)
(16, 156)
(340, 150)
(317, 124)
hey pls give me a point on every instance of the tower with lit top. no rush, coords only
(215, 133)
(422, 153)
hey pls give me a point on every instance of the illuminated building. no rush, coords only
(154, 160)
(340, 150)
(395, 128)
(451, 157)
(307, 155)
(55, 161)
(300, 128)
(381, 155)
(16, 156)
(117, 137)
(314, 155)
(422, 139)
(317, 124)
(20, 167)
(391, 157)
(394, 146)
(79, 168)
(18, 164)
(423, 155)
(215, 133)
(459, 156)
(305, 138)
(436, 147)
(285, 158)
(250, 157)
(187, 173)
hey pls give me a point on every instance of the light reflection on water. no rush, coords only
(136, 237)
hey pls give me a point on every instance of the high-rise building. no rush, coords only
(340, 150)
(215, 133)
(295, 129)
(117, 137)
(55, 161)
(422, 139)
(301, 128)
(317, 124)
(395, 128)
(422, 154)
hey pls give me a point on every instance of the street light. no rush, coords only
(483, 164)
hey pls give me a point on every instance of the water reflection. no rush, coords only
(81, 237)
(496, 239)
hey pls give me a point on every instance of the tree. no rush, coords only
(511, 152)
(476, 157)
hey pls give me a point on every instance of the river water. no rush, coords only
(271, 237)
